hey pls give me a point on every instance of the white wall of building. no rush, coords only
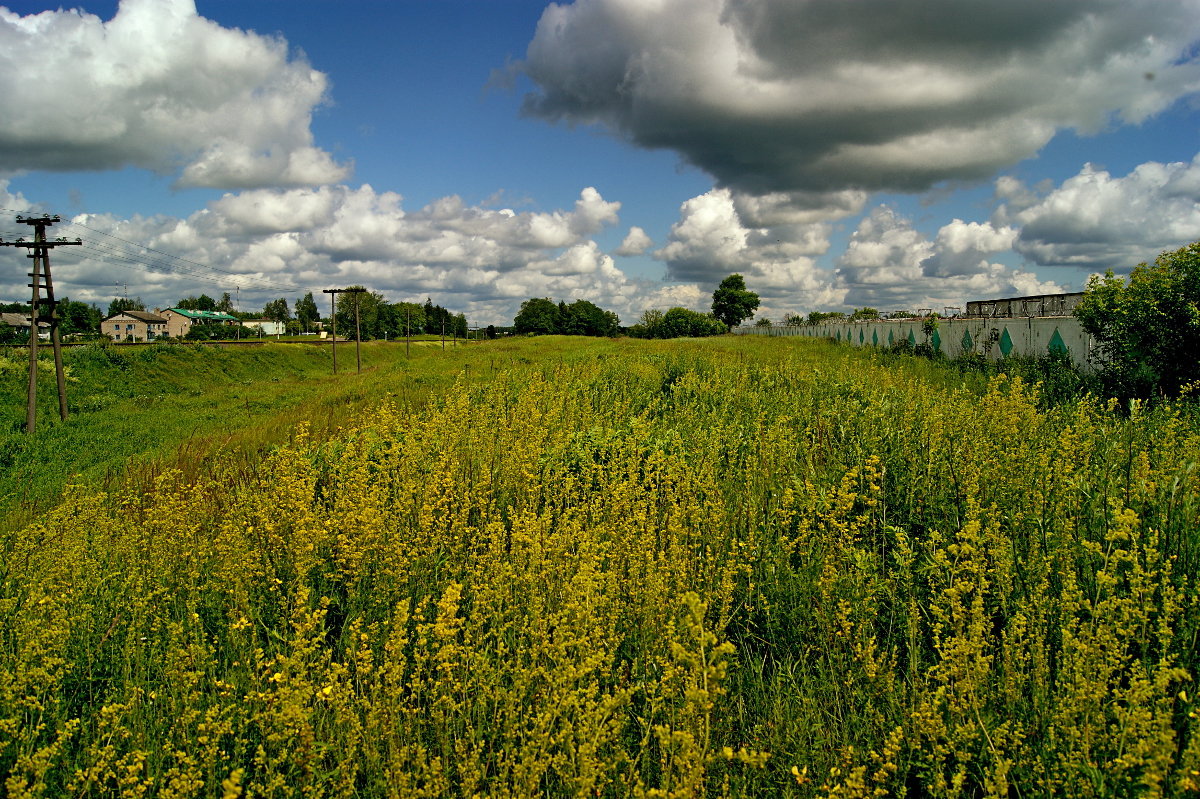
(993, 338)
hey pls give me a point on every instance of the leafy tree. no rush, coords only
(78, 318)
(583, 318)
(684, 322)
(122, 304)
(1147, 331)
(864, 313)
(211, 331)
(764, 322)
(409, 314)
(538, 315)
(732, 302)
(372, 314)
(816, 317)
(306, 311)
(676, 323)
(491, 331)
(201, 303)
(225, 304)
(437, 319)
(277, 310)
(793, 319)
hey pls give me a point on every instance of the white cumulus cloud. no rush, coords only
(636, 242)
(889, 265)
(263, 244)
(1095, 221)
(161, 88)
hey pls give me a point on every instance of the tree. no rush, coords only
(1147, 331)
(816, 317)
(78, 317)
(437, 319)
(583, 318)
(538, 315)
(306, 311)
(410, 318)
(225, 304)
(732, 302)
(277, 310)
(793, 319)
(122, 304)
(372, 314)
(201, 303)
(684, 322)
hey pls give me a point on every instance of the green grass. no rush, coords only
(573, 567)
(137, 410)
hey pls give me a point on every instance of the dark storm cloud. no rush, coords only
(819, 95)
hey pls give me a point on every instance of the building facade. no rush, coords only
(134, 326)
(180, 320)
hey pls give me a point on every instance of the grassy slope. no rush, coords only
(138, 409)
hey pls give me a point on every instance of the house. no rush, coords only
(20, 323)
(134, 326)
(266, 326)
(180, 320)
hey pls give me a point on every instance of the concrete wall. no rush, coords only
(993, 338)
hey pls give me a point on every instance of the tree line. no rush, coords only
(732, 302)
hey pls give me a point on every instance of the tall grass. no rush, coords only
(734, 567)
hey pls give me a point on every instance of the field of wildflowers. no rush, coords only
(730, 567)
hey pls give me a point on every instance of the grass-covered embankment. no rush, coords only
(176, 405)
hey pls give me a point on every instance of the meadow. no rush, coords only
(724, 567)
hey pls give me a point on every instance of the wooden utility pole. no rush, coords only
(357, 331)
(40, 253)
(333, 322)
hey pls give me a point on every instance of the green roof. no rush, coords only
(211, 316)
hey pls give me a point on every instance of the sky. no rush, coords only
(894, 154)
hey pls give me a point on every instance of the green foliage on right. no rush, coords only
(1147, 331)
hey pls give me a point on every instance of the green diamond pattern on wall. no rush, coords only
(968, 343)
(912, 339)
(1006, 343)
(874, 338)
(891, 337)
(861, 339)
(1057, 345)
(936, 340)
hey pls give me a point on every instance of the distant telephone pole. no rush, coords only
(39, 251)
(333, 322)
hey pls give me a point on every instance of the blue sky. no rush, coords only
(838, 154)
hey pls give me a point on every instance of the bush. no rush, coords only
(1147, 331)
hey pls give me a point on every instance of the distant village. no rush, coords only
(203, 318)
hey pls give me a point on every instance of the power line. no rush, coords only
(190, 264)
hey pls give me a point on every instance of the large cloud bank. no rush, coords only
(787, 95)
(1096, 221)
(161, 88)
(263, 244)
